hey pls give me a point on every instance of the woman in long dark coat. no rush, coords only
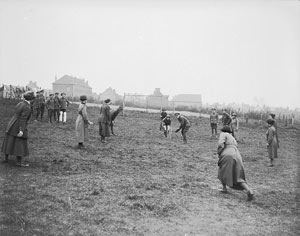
(16, 134)
(231, 169)
(104, 120)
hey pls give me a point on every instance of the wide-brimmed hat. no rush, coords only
(29, 95)
(227, 129)
(56, 93)
(272, 115)
(270, 121)
(107, 100)
(176, 114)
(83, 98)
(62, 94)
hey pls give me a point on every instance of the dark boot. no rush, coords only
(19, 162)
(80, 146)
(184, 139)
(103, 139)
(5, 159)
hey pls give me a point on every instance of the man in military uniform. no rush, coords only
(42, 103)
(184, 126)
(56, 107)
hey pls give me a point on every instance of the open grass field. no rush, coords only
(141, 183)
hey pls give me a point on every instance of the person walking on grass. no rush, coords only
(214, 119)
(184, 126)
(231, 169)
(272, 143)
(63, 103)
(82, 122)
(104, 120)
(16, 134)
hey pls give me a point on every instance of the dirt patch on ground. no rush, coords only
(141, 183)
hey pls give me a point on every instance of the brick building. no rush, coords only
(111, 94)
(72, 86)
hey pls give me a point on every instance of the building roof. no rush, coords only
(33, 85)
(158, 93)
(188, 98)
(67, 79)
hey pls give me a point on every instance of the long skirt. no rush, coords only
(231, 169)
(16, 146)
(272, 149)
(82, 132)
(104, 129)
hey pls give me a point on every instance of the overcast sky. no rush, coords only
(228, 51)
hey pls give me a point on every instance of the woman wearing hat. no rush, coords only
(272, 142)
(104, 120)
(82, 122)
(231, 169)
(16, 134)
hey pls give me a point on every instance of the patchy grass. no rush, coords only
(140, 183)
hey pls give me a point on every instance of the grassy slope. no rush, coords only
(143, 184)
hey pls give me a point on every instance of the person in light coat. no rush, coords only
(82, 122)
(231, 169)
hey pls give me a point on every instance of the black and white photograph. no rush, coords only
(150, 117)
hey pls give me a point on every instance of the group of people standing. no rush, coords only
(105, 121)
(55, 105)
(231, 169)
(226, 119)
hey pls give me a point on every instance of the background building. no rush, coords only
(190, 100)
(33, 86)
(72, 86)
(111, 94)
(157, 99)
